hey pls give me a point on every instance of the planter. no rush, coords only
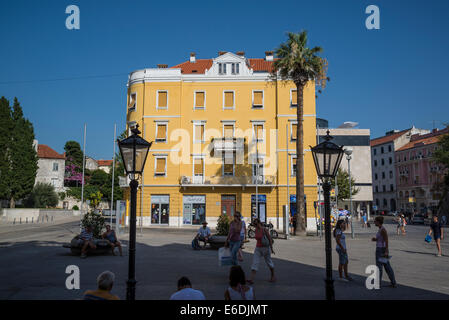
(75, 247)
(216, 242)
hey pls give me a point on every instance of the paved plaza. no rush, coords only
(33, 264)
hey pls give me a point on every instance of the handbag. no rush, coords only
(265, 242)
(224, 257)
(428, 239)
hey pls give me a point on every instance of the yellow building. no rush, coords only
(213, 123)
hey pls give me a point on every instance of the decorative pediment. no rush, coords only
(229, 65)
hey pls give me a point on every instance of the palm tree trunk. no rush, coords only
(300, 160)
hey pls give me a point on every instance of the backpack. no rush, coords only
(196, 244)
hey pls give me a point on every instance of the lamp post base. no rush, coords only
(330, 293)
(131, 290)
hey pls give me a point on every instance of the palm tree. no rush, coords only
(298, 63)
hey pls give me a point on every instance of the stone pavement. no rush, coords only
(33, 266)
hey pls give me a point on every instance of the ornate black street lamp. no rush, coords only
(327, 157)
(134, 151)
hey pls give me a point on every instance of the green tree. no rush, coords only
(299, 63)
(43, 195)
(95, 199)
(6, 127)
(343, 185)
(95, 221)
(441, 156)
(73, 153)
(223, 225)
(23, 157)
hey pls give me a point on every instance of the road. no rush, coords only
(33, 264)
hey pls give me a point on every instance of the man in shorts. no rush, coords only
(437, 230)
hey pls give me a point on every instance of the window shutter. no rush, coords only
(294, 98)
(229, 99)
(160, 165)
(199, 102)
(258, 98)
(198, 166)
(161, 131)
(229, 131)
(162, 100)
(258, 128)
(199, 132)
(294, 131)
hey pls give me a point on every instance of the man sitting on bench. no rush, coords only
(203, 233)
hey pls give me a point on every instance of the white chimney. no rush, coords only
(269, 55)
(192, 57)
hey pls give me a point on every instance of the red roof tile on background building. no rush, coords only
(104, 163)
(420, 142)
(44, 151)
(386, 139)
(200, 66)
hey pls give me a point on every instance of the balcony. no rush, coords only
(227, 181)
(228, 144)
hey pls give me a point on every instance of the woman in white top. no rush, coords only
(238, 290)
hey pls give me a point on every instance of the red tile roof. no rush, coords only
(44, 151)
(104, 163)
(200, 66)
(388, 138)
(420, 142)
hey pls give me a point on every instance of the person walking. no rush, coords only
(233, 240)
(364, 222)
(343, 260)
(382, 253)
(264, 249)
(238, 290)
(399, 225)
(437, 230)
(403, 224)
(242, 240)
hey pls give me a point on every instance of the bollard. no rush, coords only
(26, 219)
(32, 219)
(20, 220)
(14, 221)
(51, 218)
(47, 217)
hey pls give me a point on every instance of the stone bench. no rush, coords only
(75, 247)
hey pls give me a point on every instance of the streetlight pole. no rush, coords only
(131, 283)
(348, 153)
(330, 293)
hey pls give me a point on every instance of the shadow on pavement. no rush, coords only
(36, 270)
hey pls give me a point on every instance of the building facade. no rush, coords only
(224, 140)
(417, 173)
(358, 140)
(51, 167)
(383, 167)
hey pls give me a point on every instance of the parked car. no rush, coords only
(417, 219)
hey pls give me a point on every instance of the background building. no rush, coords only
(214, 122)
(51, 167)
(359, 141)
(417, 173)
(384, 174)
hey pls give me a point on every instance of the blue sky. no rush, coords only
(384, 79)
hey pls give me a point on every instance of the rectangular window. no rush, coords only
(228, 164)
(54, 182)
(55, 166)
(198, 166)
(294, 131)
(237, 67)
(198, 133)
(258, 132)
(161, 132)
(293, 166)
(293, 98)
(257, 99)
(233, 68)
(374, 150)
(228, 99)
(162, 99)
(220, 68)
(200, 101)
(228, 130)
(160, 166)
(132, 102)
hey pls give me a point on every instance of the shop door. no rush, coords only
(187, 213)
(228, 205)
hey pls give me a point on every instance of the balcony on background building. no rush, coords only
(228, 144)
(227, 181)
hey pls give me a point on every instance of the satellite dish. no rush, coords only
(348, 125)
